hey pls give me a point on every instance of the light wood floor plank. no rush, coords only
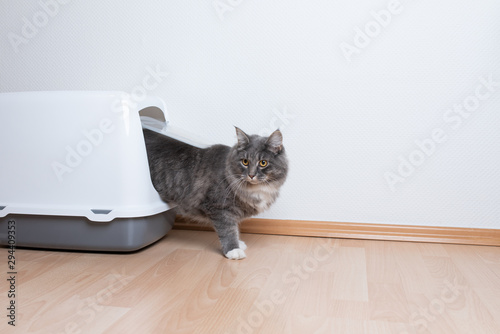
(482, 283)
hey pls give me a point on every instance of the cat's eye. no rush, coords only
(263, 163)
(245, 162)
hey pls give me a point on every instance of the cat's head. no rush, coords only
(259, 160)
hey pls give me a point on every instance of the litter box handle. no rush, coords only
(153, 101)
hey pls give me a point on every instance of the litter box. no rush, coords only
(74, 172)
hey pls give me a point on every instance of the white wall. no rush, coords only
(348, 122)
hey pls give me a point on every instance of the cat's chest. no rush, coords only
(261, 199)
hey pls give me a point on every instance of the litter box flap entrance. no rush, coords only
(75, 153)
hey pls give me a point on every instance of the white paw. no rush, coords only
(243, 245)
(236, 254)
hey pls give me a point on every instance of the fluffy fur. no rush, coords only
(220, 185)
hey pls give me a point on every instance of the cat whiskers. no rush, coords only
(238, 186)
(234, 186)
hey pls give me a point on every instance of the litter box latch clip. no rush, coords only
(100, 211)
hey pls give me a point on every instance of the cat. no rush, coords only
(219, 185)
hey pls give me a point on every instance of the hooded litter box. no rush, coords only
(74, 172)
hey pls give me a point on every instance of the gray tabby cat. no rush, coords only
(220, 185)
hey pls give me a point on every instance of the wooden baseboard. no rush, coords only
(453, 235)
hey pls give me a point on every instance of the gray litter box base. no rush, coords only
(79, 233)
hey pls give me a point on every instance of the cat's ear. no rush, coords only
(275, 142)
(243, 140)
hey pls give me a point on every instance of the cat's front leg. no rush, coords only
(242, 245)
(238, 253)
(228, 232)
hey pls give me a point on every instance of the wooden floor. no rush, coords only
(300, 285)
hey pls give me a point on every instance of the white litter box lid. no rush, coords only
(75, 153)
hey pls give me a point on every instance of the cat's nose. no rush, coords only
(251, 176)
